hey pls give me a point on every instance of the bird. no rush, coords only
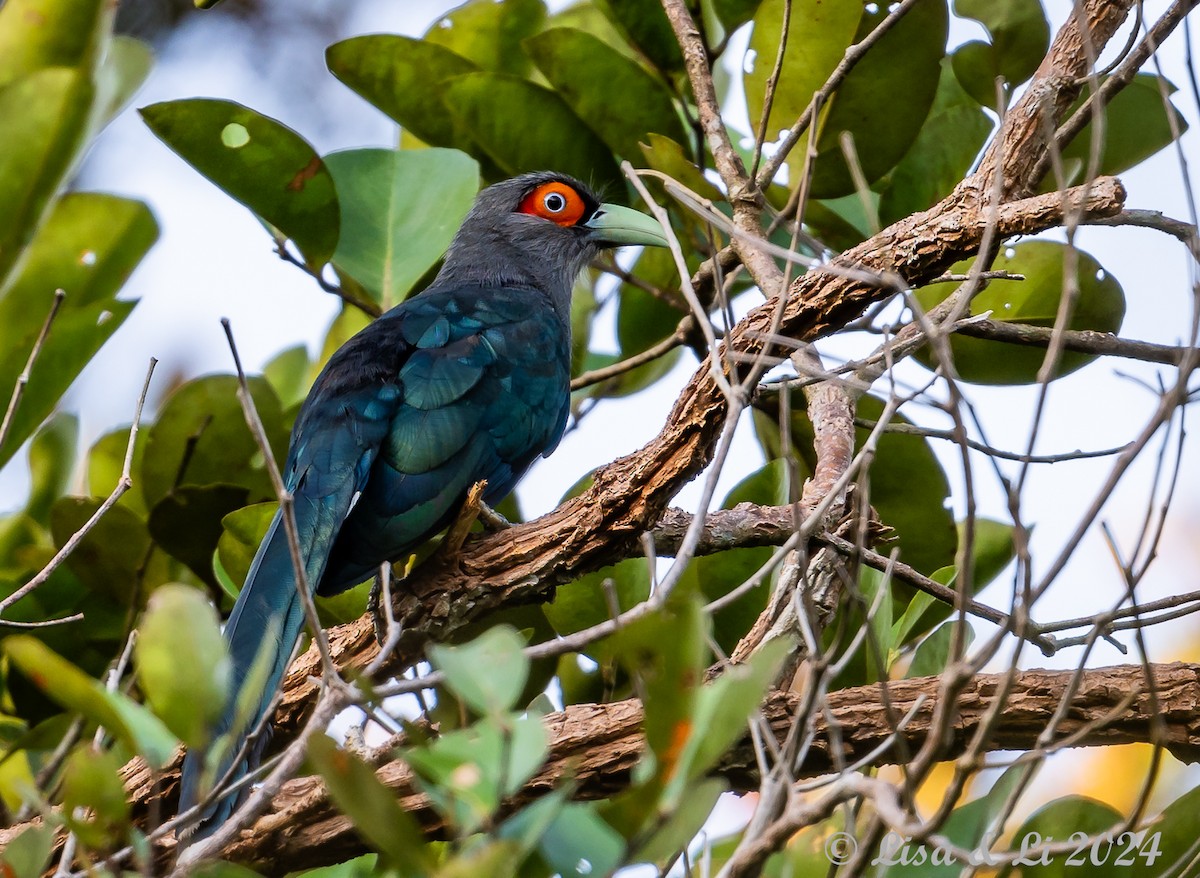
(467, 381)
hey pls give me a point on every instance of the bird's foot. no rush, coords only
(491, 519)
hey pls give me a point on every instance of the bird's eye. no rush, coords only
(555, 201)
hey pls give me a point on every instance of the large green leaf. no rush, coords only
(941, 155)
(75, 690)
(488, 673)
(51, 463)
(885, 99)
(645, 26)
(35, 34)
(1020, 35)
(372, 807)
(45, 117)
(125, 67)
(818, 34)
(588, 74)
(404, 78)
(1100, 306)
(87, 247)
(908, 486)
(400, 210)
(187, 523)
(489, 33)
(259, 162)
(1061, 819)
(497, 110)
(1138, 122)
(110, 558)
(201, 438)
(182, 663)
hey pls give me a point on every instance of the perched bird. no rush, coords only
(466, 381)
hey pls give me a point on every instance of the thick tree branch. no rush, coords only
(596, 746)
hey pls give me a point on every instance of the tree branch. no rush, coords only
(597, 745)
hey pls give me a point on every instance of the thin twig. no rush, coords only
(124, 483)
(254, 422)
(23, 378)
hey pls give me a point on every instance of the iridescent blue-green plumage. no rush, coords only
(466, 382)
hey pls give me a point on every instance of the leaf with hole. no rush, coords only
(258, 162)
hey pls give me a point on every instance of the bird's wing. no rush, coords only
(483, 393)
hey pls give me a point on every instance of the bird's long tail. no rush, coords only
(261, 632)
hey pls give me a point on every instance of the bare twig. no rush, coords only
(23, 378)
(124, 483)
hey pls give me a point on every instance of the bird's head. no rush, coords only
(540, 230)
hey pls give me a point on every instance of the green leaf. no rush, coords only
(579, 841)
(75, 690)
(583, 603)
(818, 35)
(51, 463)
(404, 78)
(36, 34)
(992, 548)
(734, 13)
(645, 25)
(469, 771)
(287, 373)
(26, 855)
(496, 109)
(125, 68)
(666, 651)
(45, 117)
(1171, 837)
(186, 523)
(182, 663)
(965, 827)
(1100, 306)
(683, 822)
(943, 152)
(908, 486)
(400, 210)
(371, 806)
(489, 672)
(242, 531)
(257, 161)
(587, 73)
(1137, 124)
(201, 438)
(585, 15)
(721, 713)
(1020, 36)
(88, 247)
(105, 460)
(1058, 821)
(933, 654)
(110, 558)
(885, 99)
(664, 154)
(490, 34)
(92, 782)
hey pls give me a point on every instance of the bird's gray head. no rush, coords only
(540, 230)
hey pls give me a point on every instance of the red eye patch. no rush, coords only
(556, 202)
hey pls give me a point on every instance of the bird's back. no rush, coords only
(481, 389)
